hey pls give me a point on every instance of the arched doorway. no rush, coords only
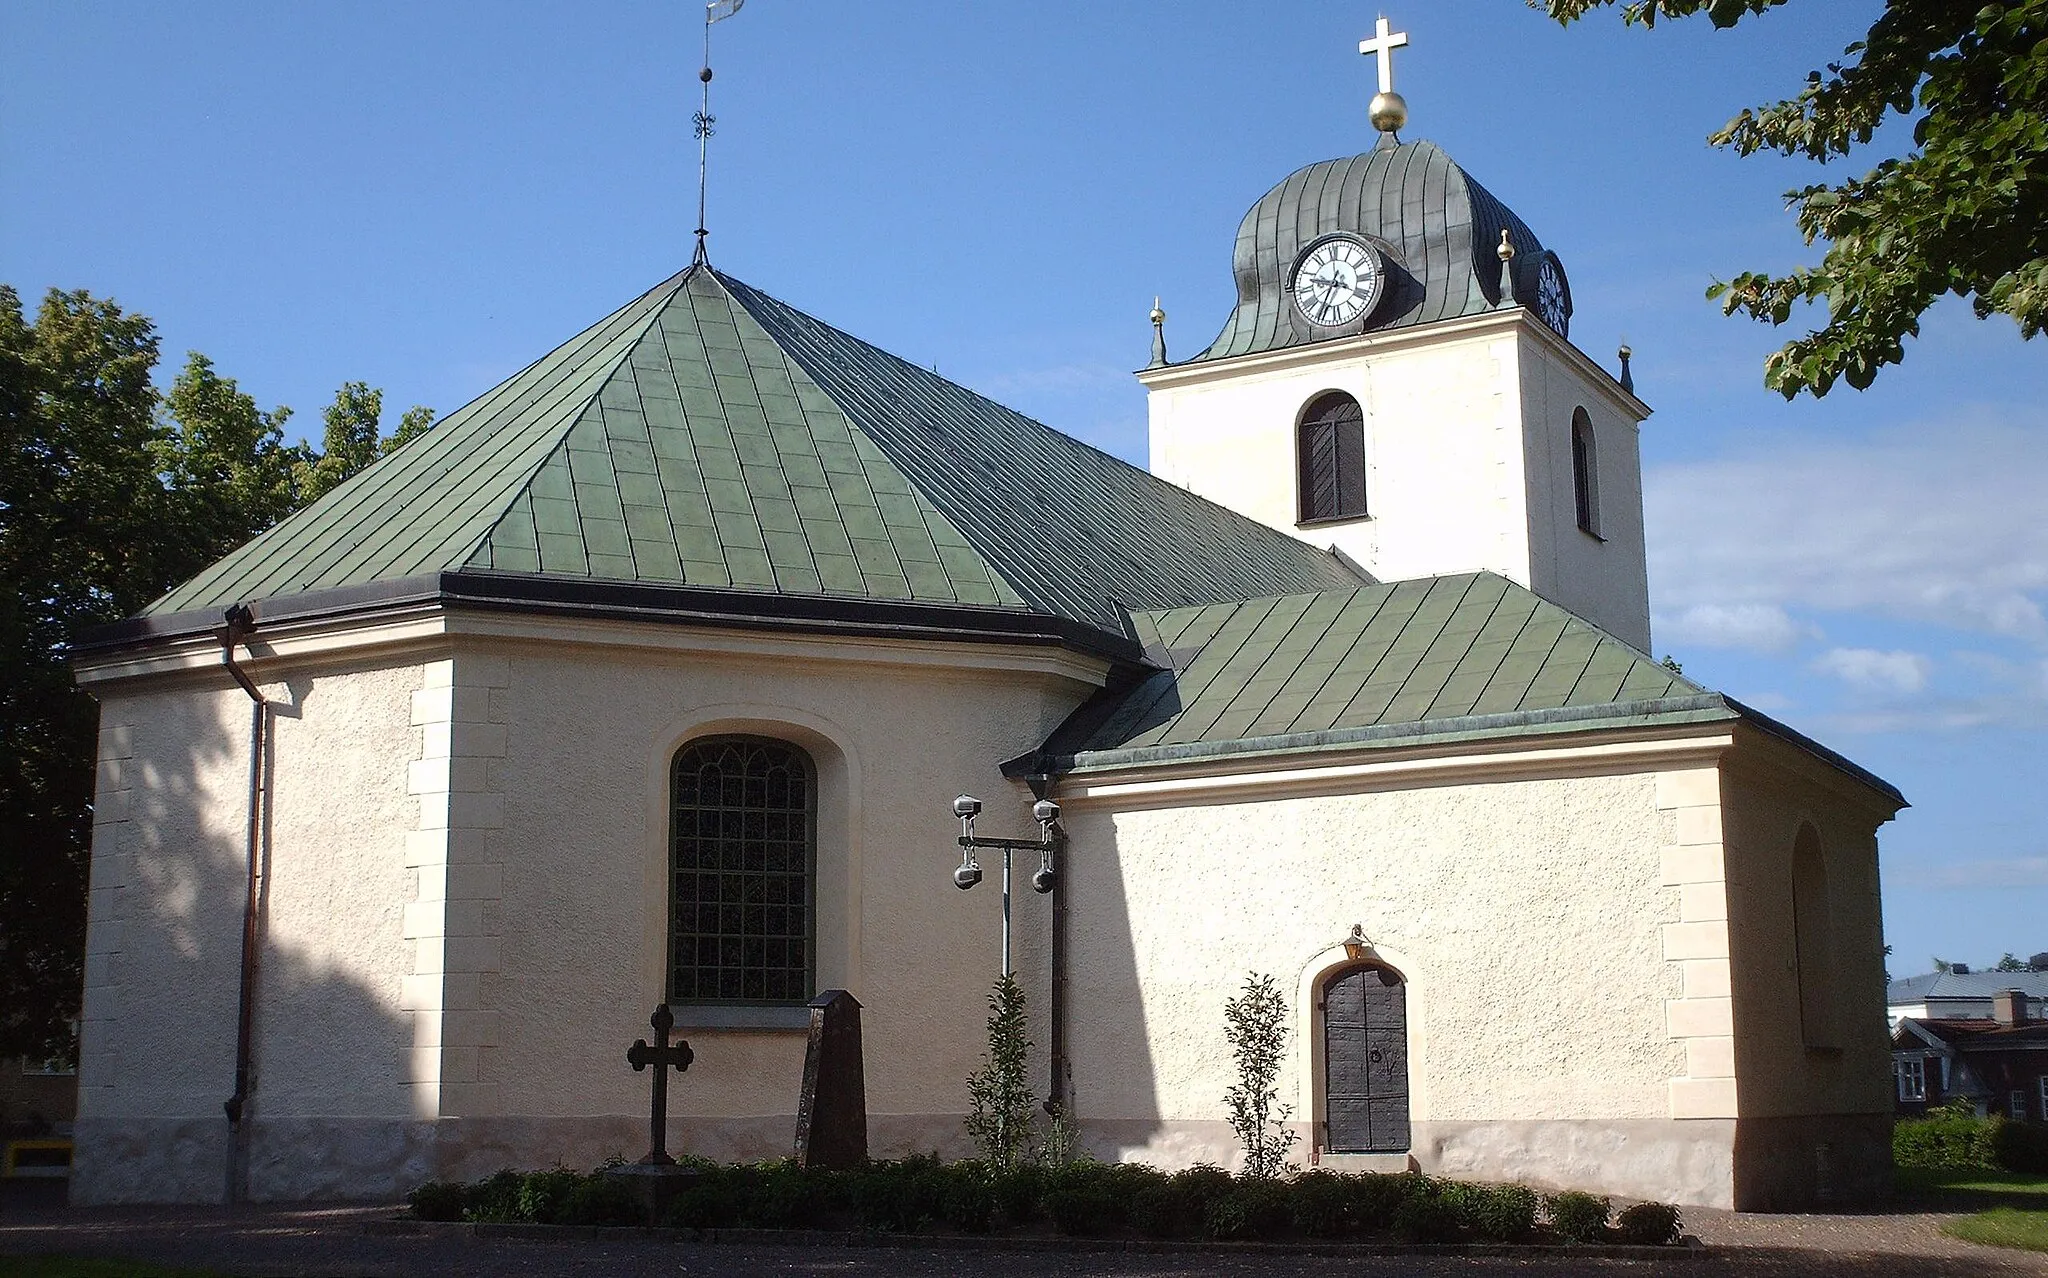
(1365, 1061)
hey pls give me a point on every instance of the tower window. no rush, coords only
(1331, 440)
(1585, 472)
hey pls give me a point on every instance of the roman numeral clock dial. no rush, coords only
(1337, 281)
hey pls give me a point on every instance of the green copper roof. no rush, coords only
(1303, 670)
(706, 434)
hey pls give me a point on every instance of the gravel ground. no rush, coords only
(346, 1243)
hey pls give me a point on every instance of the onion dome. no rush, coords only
(1432, 228)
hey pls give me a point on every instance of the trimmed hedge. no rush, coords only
(1947, 1141)
(1082, 1198)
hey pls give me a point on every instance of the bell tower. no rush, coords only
(1397, 382)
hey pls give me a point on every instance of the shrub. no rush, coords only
(716, 1201)
(1320, 1204)
(966, 1197)
(1255, 1207)
(778, 1195)
(999, 1097)
(1256, 1024)
(1162, 1211)
(494, 1200)
(1201, 1185)
(603, 1200)
(1648, 1224)
(1086, 1198)
(1497, 1213)
(1017, 1193)
(1427, 1216)
(1377, 1196)
(899, 1197)
(543, 1196)
(438, 1200)
(1947, 1141)
(1578, 1217)
(2019, 1147)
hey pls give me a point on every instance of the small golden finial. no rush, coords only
(1506, 252)
(1158, 335)
(1158, 316)
(1507, 246)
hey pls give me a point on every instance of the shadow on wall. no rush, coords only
(327, 1112)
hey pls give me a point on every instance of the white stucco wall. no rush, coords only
(465, 922)
(1526, 915)
(1468, 457)
(1604, 579)
(583, 843)
(164, 945)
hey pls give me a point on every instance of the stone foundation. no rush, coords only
(1822, 1162)
(1787, 1164)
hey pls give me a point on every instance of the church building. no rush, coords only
(651, 676)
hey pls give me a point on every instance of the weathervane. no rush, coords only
(704, 121)
(1389, 110)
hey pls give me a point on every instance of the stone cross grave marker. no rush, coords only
(661, 1055)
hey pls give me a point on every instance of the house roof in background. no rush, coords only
(1964, 985)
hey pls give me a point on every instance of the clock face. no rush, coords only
(1337, 281)
(1553, 304)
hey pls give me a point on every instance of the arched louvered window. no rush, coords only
(1331, 442)
(743, 841)
(1585, 472)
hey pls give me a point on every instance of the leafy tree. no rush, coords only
(79, 509)
(999, 1094)
(353, 438)
(1964, 212)
(110, 493)
(1256, 1024)
(2011, 964)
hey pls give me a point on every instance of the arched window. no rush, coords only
(1365, 1061)
(743, 867)
(1331, 443)
(1813, 940)
(1585, 472)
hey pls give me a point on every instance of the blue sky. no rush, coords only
(427, 197)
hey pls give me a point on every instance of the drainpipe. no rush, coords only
(1056, 1098)
(240, 623)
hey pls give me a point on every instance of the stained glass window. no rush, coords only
(743, 860)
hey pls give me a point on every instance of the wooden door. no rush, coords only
(1365, 1061)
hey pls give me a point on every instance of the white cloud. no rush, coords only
(1940, 524)
(1872, 670)
(2008, 872)
(1758, 627)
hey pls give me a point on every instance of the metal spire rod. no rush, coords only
(713, 12)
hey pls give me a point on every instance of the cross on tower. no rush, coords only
(661, 1056)
(1383, 45)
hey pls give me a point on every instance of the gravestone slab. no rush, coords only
(832, 1113)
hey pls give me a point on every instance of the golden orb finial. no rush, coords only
(1507, 247)
(1388, 112)
(1158, 316)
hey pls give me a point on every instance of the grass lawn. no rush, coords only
(81, 1267)
(2019, 1218)
(2003, 1227)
